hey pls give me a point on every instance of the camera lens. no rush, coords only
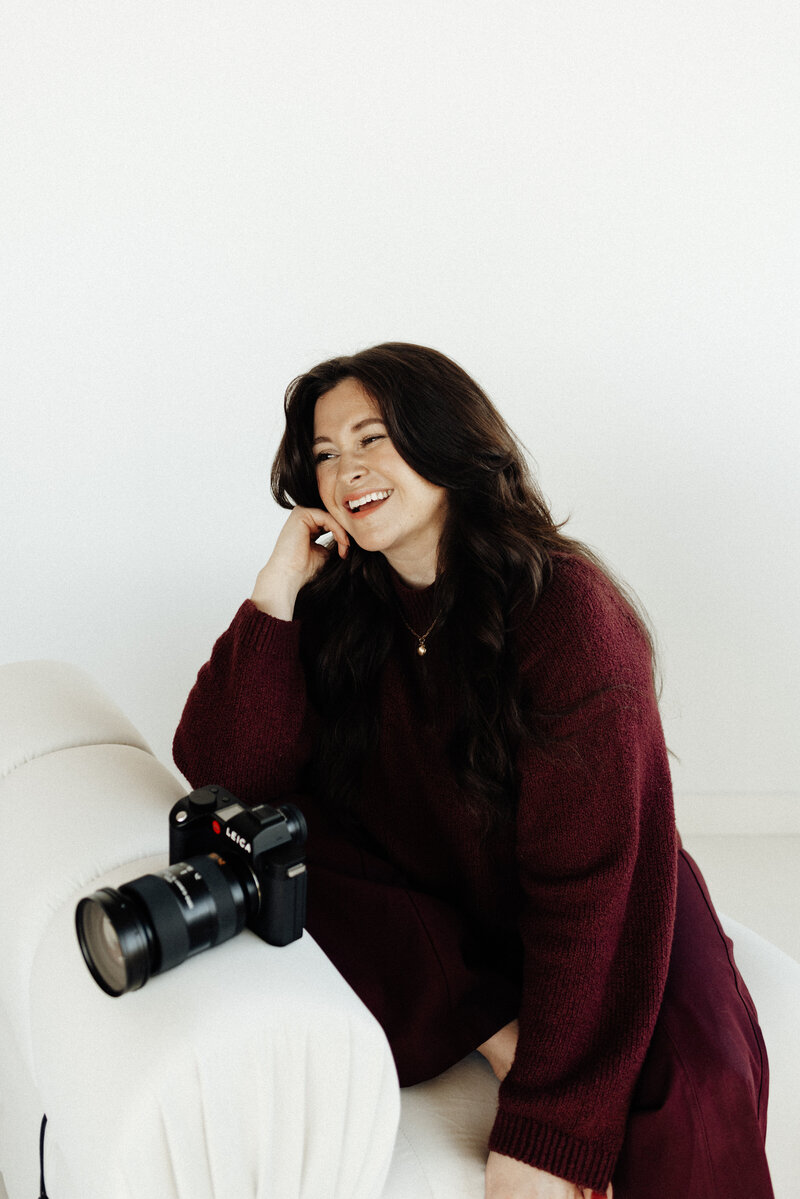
(155, 922)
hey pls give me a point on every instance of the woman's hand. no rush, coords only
(506, 1178)
(501, 1049)
(296, 559)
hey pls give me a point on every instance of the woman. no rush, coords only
(462, 701)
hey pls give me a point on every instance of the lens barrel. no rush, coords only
(158, 920)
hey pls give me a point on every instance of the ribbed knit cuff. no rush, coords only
(549, 1149)
(267, 634)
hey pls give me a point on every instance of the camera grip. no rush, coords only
(284, 884)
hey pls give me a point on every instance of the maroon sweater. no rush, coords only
(564, 919)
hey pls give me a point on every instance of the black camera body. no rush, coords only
(230, 867)
(271, 841)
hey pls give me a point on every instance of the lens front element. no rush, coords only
(114, 942)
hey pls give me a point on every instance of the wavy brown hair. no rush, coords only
(496, 550)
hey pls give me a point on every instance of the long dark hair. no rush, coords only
(497, 549)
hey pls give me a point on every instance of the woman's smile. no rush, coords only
(363, 504)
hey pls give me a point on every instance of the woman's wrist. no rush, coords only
(275, 595)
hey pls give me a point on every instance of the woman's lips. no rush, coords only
(368, 507)
(367, 501)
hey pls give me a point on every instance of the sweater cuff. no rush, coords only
(263, 633)
(582, 1162)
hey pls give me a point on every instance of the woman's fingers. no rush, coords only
(324, 522)
(296, 543)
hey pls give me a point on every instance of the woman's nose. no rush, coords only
(351, 467)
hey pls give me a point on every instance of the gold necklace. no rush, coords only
(422, 649)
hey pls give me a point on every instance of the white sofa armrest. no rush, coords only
(248, 1071)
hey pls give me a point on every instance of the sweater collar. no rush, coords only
(417, 604)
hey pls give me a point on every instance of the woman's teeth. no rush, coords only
(354, 505)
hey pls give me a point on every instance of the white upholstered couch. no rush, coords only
(250, 1072)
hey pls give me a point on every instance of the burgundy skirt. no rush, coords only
(697, 1124)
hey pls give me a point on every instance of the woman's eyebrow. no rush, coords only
(369, 420)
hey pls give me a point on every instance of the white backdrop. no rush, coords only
(592, 207)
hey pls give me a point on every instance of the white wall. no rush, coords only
(593, 207)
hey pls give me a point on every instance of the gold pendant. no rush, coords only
(421, 650)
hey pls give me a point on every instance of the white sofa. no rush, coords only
(249, 1071)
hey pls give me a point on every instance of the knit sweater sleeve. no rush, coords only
(247, 723)
(596, 851)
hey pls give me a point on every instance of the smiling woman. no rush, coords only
(462, 701)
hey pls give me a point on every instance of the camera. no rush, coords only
(231, 866)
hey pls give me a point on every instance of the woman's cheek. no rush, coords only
(325, 491)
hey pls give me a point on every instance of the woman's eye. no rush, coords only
(327, 455)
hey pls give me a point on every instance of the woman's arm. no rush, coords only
(507, 1178)
(247, 723)
(596, 855)
(597, 868)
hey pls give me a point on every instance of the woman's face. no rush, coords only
(382, 503)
